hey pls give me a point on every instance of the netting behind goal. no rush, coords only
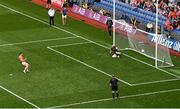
(126, 37)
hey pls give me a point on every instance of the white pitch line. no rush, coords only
(80, 43)
(168, 80)
(152, 82)
(122, 97)
(20, 97)
(151, 66)
(83, 38)
(35, 41)
(86, 64)
(69, 33)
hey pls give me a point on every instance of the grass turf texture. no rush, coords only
(58, 80)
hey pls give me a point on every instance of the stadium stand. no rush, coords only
(100, 24)
(141, 15)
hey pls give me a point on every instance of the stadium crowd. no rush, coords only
(167, 8)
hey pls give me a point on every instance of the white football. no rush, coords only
(142, 50)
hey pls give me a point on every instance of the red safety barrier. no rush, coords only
(73, 15)
(87, 20)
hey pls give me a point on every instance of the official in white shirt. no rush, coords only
(51, 14)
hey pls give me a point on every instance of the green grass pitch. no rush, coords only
(71, 65)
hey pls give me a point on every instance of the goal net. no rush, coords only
(151, 45)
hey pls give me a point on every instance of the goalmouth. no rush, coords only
(150, 44)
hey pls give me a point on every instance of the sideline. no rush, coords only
(85, 39)
(35, 41)
(110, 99)
(19, 97)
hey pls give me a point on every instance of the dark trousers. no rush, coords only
(149, 29)
(110, 31)
(51, 20)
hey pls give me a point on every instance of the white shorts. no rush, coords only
(25, 64)
(64, 16)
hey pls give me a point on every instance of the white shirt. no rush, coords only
(51, 12)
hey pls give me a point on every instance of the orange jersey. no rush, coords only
(172, 14)
(21, 58)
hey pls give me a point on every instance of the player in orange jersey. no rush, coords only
(22, 60)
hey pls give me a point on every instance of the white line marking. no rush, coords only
(155, 82)
(69, 44)
(52, 26)
(122, 97)
(169, 64)
(84, 38)
(151, 82)
(20, 97)
(151, 66)
(71, 34)
(86, 65)
(35, 41)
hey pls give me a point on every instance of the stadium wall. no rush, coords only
(174, 50)
(73, 15)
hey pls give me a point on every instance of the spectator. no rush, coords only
(153, 8)
(172, 13)
(123, 1)
(48, 5)
(90, 8)
(175, 24)
(178, 23)
(148, 5)
(168, 25)
(107, 13)
(162, 12)
(134, 3)
(178, 12)
(163, 5)
(142, 4)
(149, 27)
(101, 11)
(85, 5)
(133, 21)
(166, 1)
(169, 36)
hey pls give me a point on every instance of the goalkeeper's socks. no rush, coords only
(113, 95)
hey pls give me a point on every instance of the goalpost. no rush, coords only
(151, 45)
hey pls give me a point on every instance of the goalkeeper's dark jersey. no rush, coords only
(114, 50)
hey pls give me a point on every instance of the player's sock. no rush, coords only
(113, 95)
(27, 70)
(24, 71)
(117, 95)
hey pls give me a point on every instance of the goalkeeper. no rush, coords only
(115, 52)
